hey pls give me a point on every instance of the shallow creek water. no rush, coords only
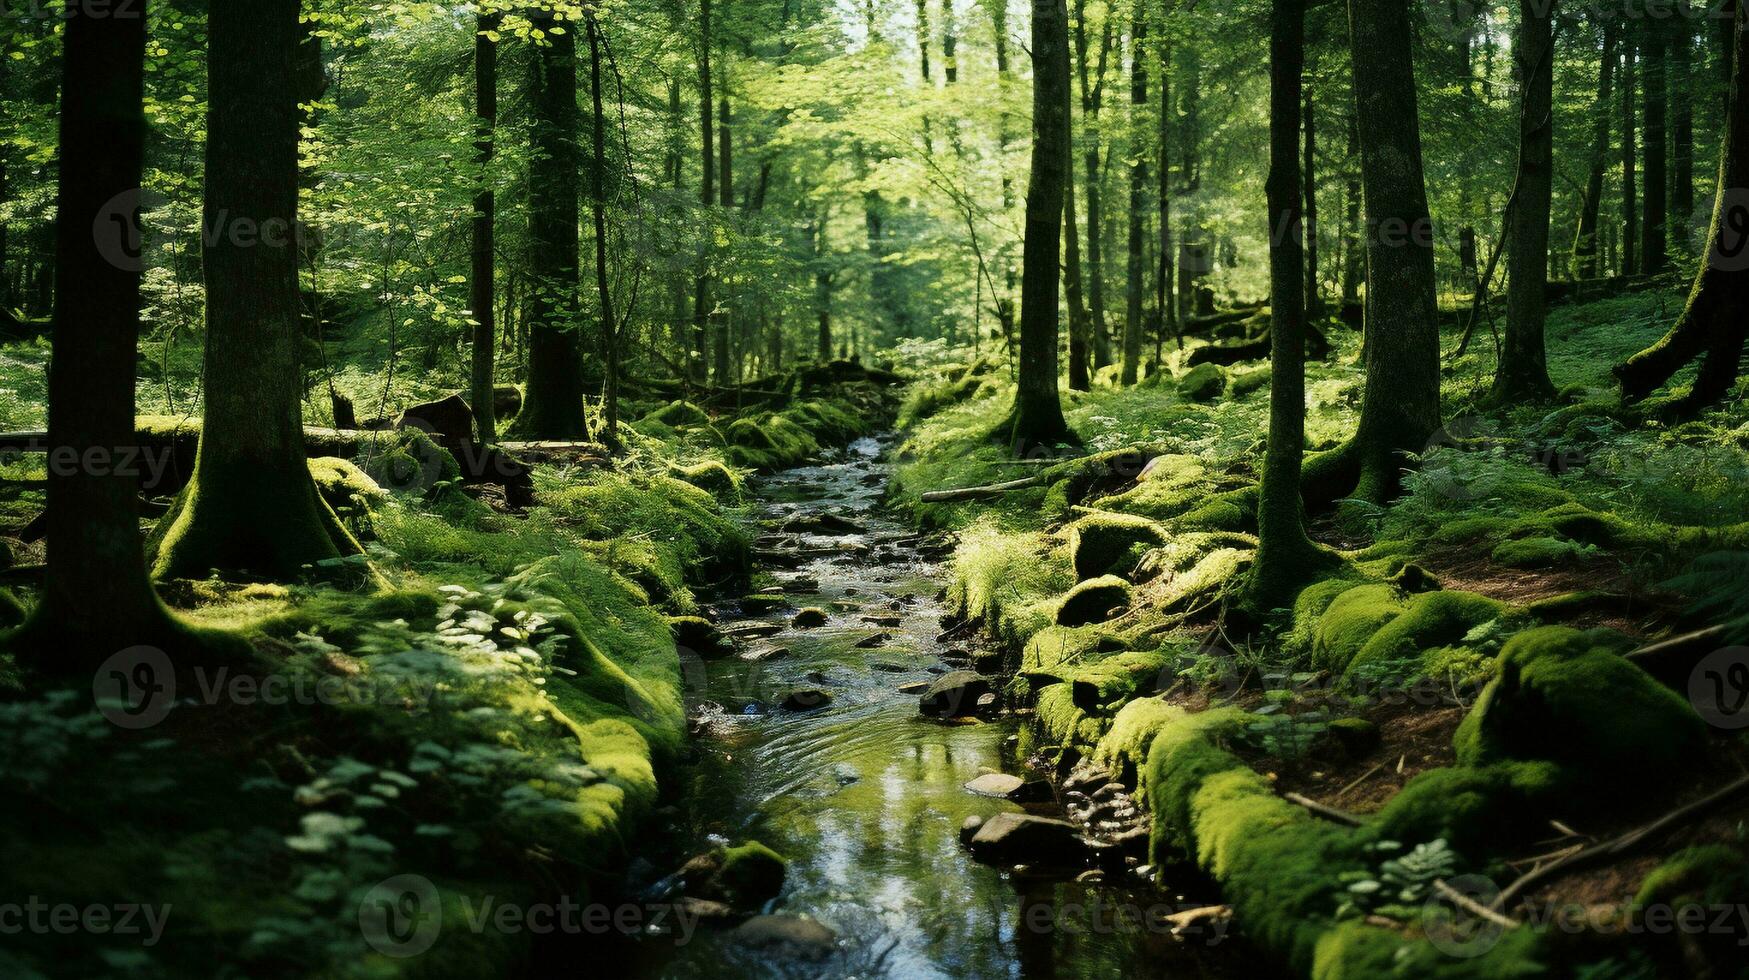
(865, 796)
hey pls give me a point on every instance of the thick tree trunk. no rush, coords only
(1400, 404)
(1712, 324)
(251, 505)
(553, 406)
(482, 290)
(1523, 373)
(1137, 265)
(1038, 414)
(1585, 242)
(96, 599)
(1654, 229)
(1285, 556)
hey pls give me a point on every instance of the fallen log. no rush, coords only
(1672, 659)
(979, 493)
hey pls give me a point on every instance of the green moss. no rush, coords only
(1007, 580)
(1203, 383)
(1103, 544)
(409, 462)
(1562, 697)
(1246, 382)
(344, 486)
(1538, 552)
(715, 479)
(679, 415)
(1124, 748)
(1710, 874)
(1058, 651)
(1473, 809)
(1352, 618)
(12, 612)
(1092, 601)
(1234, 510)
(1429, 620)
(1065, 721)
(751, 875)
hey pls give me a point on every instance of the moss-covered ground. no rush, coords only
(1454, 693)
(497, 720)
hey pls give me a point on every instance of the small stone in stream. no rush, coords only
(1007, 838)
(852, 590)
(888, 668)
(998, 784)
(759, 605)
(969, 829)
(896, 604)
(816, 677)
(986, 703)
(936, 669)
(877, 640)
(802, 584)
(786, 935)
(914, 687)
(753, 630)
(882, 620)
(770, 653)
(954, 693)
(806, 700)
(702, 908)
(809, 618)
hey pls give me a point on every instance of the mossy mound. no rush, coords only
(715, 479)
(1203, 383)
(769, 441)
(1093, 601)
(750, 875)
(1106, 544)
(1561, 696)
(345, 486)
(1009, 581)
(1367, 626)
(679, 415)
(1538, 552)
(409, 462)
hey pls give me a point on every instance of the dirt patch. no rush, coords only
(1615, 601)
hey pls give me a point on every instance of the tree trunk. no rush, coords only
(1712, 323)
(1400, 404)
(553, 405)
(1038, 414)
(251, 505)
(96, 599)
(1681, 88)
(1079, 328)
(726, 197)
(1163, 277)
(1314, 297)
(1654, 229)
(1285, 556)
(702, 304)
(1354, 253)
(1136, 268)
(1630, 234)
(482, 290)
(1092, 99)
(598, 209)
(1585, 243)
(1522, 374)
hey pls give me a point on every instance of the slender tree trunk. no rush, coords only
(1354, 253)
(251, 505)
(1136, 269)
(482, 289)
(1092, 99)
(1163, 278)
(1400, 404)
(553, 405)
(1195, 254)
(1681, 87)
(1079, 328)
(1285, 556)
(1523, 374)
(598, 209)
(1629, 155)
(726, 194)
(1314, 297)
(1712, 324)
(1038, 414)
(1585, 243)
(1654, 230)
(702, 302)
(96, 599)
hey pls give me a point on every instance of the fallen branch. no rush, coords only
(1472, 906)
(1622, 844)
(978, 493)
(1363, 777)
(1324, 810)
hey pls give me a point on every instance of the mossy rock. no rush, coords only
(699, 635)
(810, 618)
(1537, 552)
(343, 484)
(713, 478)
(1249, 381)
(1352, 617)
(1103, 544)
(410, 463)
(679, 415)
(1093, 601)
(1430, 620)
(1561, 696)
(751, 875)
(1203, 383)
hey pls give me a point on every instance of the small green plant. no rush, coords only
(1401, 882)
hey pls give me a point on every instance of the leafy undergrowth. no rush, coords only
(1457, 680)
(494, 725)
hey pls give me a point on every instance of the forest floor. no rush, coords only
(539, 688)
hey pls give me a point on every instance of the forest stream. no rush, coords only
(865, 796)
